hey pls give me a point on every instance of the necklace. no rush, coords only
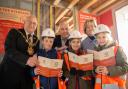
(30, 49)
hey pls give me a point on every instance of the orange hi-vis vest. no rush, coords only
(66, 58)
(37, 82)
(107, 82)
(61, 83)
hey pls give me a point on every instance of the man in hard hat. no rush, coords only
(47, 51)
(20, 47)
(61, 40)
(112, 72)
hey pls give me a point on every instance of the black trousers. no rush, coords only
(14, 79)
(12, 82)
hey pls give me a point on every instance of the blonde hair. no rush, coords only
(89, 21)
(109, 36)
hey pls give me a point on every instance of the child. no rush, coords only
(47, 51)
(75, 75)
(114, 74)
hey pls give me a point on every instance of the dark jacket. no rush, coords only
(51, 82)
(58, 42)
(14, 73)
(75, 76)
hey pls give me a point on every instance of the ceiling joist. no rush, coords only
(73, 2)
(56, 2)
(107, 3)
(70, 27)
(70, 19)
(86, 6)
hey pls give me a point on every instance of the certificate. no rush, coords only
(83, 62)
(105, 57)
(50, 67)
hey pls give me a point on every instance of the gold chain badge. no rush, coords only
(30, 49)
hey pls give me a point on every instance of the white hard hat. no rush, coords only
(102, 28)
(75, 34)
(48, 33)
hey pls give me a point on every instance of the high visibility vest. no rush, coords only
(61, 83)
(37, 82)
(66, 58)
(107, 82)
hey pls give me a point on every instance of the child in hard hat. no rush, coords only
(48, 52)
(112, 76)
(75, 80)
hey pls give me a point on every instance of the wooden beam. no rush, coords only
(66, 17)
(73, 2)
(71, 26)
(75, 18)
(58, 11)
(56, 2)
(63, 4)
(71, 18)
(118, 3)
(42, 1)
(38, 18)
(45, 15)
(107, 3)
(86, 6)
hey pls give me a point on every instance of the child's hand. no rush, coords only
(102, 70)
(35, 57)
(32, 61)
(60, 73)
(37, 71)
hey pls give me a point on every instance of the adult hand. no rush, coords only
(36, 71)
(102, 70)
(60, 73)
(32, 61)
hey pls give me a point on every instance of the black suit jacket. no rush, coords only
(13, 66)
(58, 43)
